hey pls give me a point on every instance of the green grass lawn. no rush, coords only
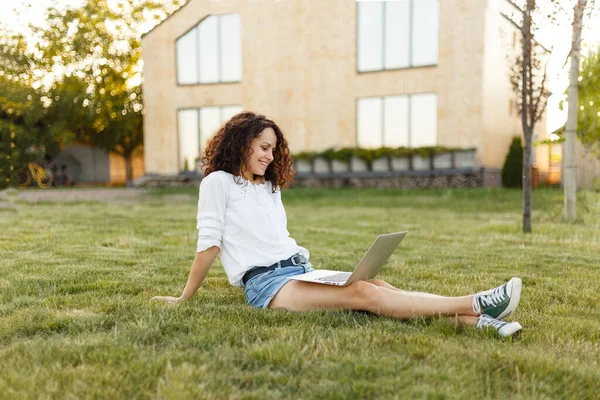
(76, 320)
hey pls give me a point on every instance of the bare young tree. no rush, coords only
(528, 80)
(569, 166)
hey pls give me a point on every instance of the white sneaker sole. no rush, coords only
(515, 298)
(510, 329)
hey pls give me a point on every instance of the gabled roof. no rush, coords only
(161, 22)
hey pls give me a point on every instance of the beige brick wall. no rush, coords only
(299, 68)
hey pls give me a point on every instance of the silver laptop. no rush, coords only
(370, 265)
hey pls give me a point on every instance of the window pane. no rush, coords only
(209, 61)
(397, 34)
(210, 122)
(231, 48)
(370, 36)
(228, 112)
(369, 122)
(425, 28)
(423, 120)
(396, 121)
(188, 138)
(187, 58)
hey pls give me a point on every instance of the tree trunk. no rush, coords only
(569, 166)
(527, 148)
(527, 117)
(128, 171)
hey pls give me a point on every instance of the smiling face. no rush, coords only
(261, 154)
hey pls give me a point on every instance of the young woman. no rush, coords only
(242, 219)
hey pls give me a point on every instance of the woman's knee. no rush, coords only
(379, 282)
(366, 294)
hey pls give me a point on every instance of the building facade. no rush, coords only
(332, 73)
(87, 165)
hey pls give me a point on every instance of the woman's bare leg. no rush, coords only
(384, 284)
(469, 320)
(363, 295)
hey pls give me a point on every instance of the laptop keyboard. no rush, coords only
(341, 277)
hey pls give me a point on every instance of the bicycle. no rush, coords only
(42, 176)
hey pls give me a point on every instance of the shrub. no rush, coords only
(343, 154)
(512, 171)
(346, 153)
(305, 156)
(400, 152)
(367, 155)
(424, 152)
(18, 146)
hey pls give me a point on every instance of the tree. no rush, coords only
(83, 79)
(22, 117)
(588, 120)
(569, 166)
(528, 80)
(512, 171)
(97, 50)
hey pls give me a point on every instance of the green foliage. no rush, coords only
(588, 120)
(101, 45)
(424, 152)
(18, 146)
(512, 171)
(24, 132)
(386, 152)
(368, 155)
(7, 147)
(596, 185)
(399, 152)
(343, 154)
(98, 99)
(306, 156)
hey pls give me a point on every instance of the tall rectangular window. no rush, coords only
(423, 120)
(210, 121)
(208, 49)
(231, 45)
(229, 111)
(187, 58)
(370, 36)
(196, 127)
(369, 122)
(396, 131)
(397, 34)
(425, 32)
(397, 121)
(211, 52)
(188, 139)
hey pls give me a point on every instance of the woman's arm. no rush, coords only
(200, 267)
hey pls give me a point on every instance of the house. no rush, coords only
(87, 165)
(334, 73)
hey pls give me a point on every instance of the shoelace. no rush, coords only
(495, 298)
(485, 320)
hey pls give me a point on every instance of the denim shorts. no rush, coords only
(261, 289)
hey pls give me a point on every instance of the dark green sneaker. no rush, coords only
(499, 302)
(504, 329)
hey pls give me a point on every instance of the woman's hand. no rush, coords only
(168, 299)
(200, 267)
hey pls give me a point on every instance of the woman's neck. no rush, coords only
(253, 179)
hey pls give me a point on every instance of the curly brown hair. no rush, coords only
(229, 150)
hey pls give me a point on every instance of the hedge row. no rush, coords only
(346, 153)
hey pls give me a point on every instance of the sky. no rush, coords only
(559, 39)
